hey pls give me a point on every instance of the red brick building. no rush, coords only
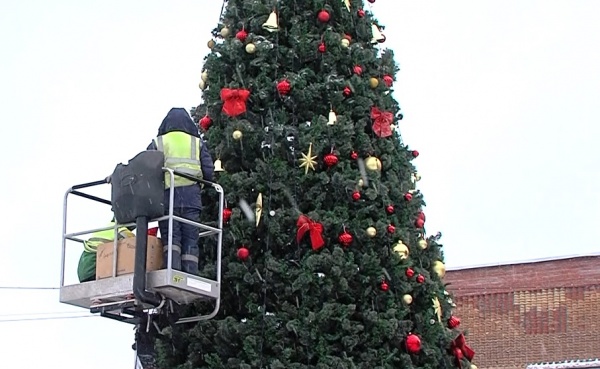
(530, 314)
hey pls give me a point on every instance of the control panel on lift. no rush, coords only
(137, 198)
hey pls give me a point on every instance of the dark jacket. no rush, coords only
(179, 120)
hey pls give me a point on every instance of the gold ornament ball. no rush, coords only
(407, 299)
(211, 44)
(204, 76)
(371, 231)
(224, 32)
(345, 42)
(422, 244)
(237, 134)
(439, 268)
(251, 48)
(373, 82)
(402, 250)
(373, 163)
(361, 182)
(202, 85)
(473, 366)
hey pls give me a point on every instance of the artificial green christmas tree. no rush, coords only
(326, 263)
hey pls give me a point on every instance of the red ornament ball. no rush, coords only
(243, 253)
(410, 272)
(421, 215)
(360, 13)
(384, 286)
(205, 122)
(453, 322)
(330, 160)
(347, 91)
(322, 47)
(419, 223)
(391, 228)
(356, 195)
(390, 209)
(388, 80)
(415, 153)
(354, 155)
(420, 278)
(226, 215)
(241, 35)
(323, 16)
(413, 344)
(284, 87)
(347, 37)
(345, 239)
(357, 70)
(408, 196)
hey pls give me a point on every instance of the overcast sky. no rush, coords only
(500, 98)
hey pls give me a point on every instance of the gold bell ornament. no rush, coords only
(271, 23)
(332, 118)
(402, 250)
(372, 163)
(377, 35)
(219, 166)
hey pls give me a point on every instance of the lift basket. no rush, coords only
(138, 187)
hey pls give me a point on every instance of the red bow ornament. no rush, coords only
(382, 122)
(460, 350)
(305, 224)
(234, 101)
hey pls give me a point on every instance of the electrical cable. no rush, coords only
(27, 288)
(46, 313)
(48, 318)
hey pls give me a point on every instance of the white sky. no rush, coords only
(500, 98)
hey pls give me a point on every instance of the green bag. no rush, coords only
(86, 270)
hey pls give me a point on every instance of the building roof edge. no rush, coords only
(528, 261)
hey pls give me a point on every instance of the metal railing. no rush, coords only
(206, 229)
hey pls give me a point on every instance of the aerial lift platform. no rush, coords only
(137, 199)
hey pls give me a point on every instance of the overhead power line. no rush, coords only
(27, 288)
(43, 313)
(48, 318)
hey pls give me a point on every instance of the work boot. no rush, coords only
(176, 262)
(189, 266)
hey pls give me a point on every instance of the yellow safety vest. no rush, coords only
(98, 238)
(182, 153)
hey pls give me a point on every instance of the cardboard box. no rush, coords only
(126, 257)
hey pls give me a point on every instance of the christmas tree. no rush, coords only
(326, 262)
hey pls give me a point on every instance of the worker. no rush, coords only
(86, 270)
(187, 152)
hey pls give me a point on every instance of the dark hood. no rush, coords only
(178, 119)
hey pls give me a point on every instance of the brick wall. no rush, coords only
(532, 312)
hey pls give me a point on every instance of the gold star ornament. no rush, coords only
(437, 307)
(307, 161)
(259, 208)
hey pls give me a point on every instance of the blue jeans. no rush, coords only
(186, 252)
